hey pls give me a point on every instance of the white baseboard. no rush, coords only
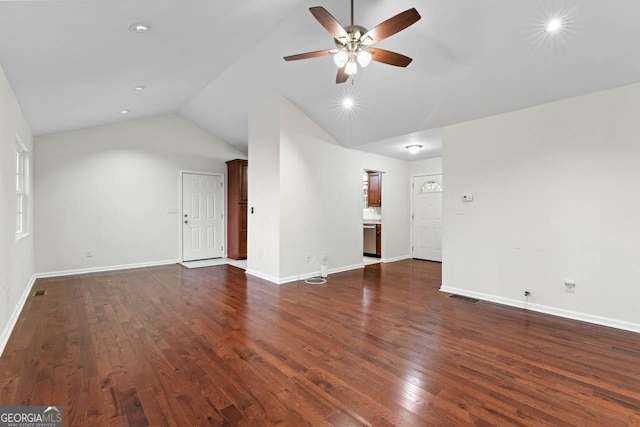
(568, 314)
(259, 275)
(283, 280)
(6, 333)
(107, 268)
(343, 269)
(397, 258)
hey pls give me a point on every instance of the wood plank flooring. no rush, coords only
(379, 346)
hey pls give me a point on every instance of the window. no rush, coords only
(431, 187)
(21, 189)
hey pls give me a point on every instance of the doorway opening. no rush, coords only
(371, 216)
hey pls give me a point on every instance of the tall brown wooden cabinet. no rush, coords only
(237, 209)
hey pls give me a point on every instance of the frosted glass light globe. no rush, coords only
(341, 58)
(364, 58)
(351, 68)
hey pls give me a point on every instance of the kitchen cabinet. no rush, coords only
(237, 209)
(374, 189)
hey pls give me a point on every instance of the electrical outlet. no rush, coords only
(325, 257)
(88, 253)
(307, 258)
(8, 293)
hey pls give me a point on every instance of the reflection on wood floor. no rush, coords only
(376, 346)
(369, 260)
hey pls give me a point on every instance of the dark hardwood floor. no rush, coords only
(380, 346)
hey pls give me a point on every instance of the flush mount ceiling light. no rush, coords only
(347, 102)
(554, 26)
(414, 148)
(125, 111)
(139, 88)
(139, 28)
(353, 42)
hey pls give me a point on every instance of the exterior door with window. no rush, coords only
(202, 216)
(427, 217)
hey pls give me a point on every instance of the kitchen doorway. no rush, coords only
(371, 216)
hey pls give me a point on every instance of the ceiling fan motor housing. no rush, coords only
(355, 32)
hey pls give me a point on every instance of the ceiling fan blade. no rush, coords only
(388, 57)
(330, 23)
(308, 55)
(391, 26)
(342, 75)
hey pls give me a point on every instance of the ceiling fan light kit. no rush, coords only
(351, 68)
(341, 58)
(364, 58)
(353, 42)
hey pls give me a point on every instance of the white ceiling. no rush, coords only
(73, 63)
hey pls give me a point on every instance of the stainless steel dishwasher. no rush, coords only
(369, 239)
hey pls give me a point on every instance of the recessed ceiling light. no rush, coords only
(139, 88)
(414, 148)
(347, 102)
(139, 28)
(554, 25)
(125, 111)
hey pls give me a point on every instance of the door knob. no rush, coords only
(186, 221)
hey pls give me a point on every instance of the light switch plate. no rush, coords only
(459, 210)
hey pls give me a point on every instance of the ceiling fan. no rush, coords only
(353, 42)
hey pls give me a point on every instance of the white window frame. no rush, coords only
(22, 189)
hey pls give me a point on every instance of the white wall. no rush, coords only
(320, 196)
(556, 197)
(16, 257)
(108, 189)
(263, 240)
(321, 204)
(426, 166)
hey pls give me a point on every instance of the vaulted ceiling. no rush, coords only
(74, 63)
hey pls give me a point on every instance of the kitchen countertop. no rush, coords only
(371, 221)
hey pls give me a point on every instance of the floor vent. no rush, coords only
(40, 293)
(465, 299)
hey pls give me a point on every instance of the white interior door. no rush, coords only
(202, 216)
(427, 217)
